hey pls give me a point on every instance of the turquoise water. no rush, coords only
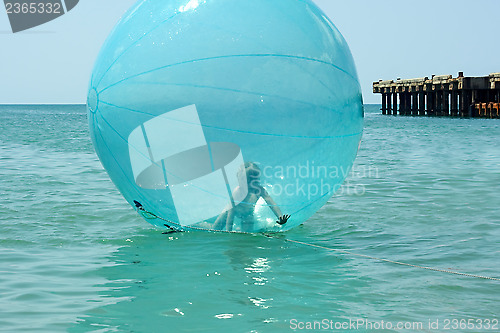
(75, 257)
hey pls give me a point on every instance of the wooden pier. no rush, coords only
(442, 95)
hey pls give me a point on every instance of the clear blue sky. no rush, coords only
(388, 38)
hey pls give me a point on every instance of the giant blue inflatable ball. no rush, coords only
(226, 114)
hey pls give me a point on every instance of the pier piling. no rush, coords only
(441, 95)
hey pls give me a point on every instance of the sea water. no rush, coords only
(74, 257)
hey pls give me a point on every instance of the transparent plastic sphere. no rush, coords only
(226, 114)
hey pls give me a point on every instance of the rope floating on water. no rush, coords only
(394, 262)
(149, 215)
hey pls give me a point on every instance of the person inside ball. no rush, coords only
(249, 191)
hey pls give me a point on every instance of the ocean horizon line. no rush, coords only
(83, 104)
